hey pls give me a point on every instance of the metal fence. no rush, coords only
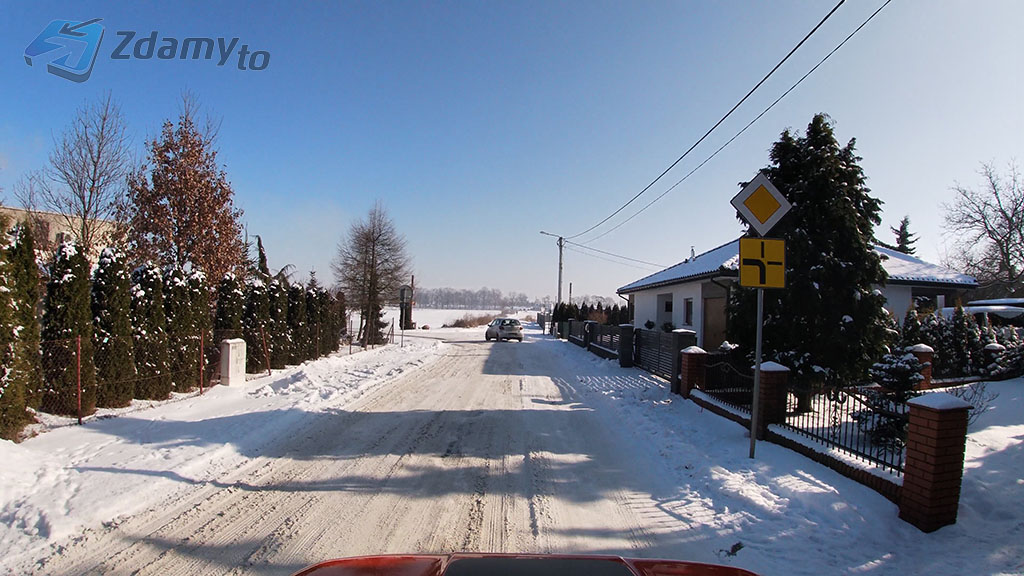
(860, 421)
(576, 328)
(655, 352)
(606, 337)
(729, 379)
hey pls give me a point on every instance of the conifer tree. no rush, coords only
(182, 316)
(112, 331)
(829, 322)
(12, 391)
(149, 324)
(25, 287)
(202, 317)
(67, 329)
(912, 332)
(314, 317)
(278, 336)
(255, 323)
(230, 308)
(905, 240)
(298, 327)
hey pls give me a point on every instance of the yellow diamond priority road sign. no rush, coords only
(761, 204)
(762, 263)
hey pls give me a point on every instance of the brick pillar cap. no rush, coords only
(939, 401)
(995, 347)
(683, 331)
(693, 350)
(919, 348)
(625, 325)
(771, 367)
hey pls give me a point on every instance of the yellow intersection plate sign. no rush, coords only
(761, 204)
(762, 263)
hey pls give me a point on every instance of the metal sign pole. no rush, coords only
(755, 401)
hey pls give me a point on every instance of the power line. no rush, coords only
(712, 129)
(585, 253)
(749, 124)
(615, 255)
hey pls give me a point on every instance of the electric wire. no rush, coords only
(749, 124)
(585, 253)
(712, 129)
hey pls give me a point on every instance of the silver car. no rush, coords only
(504, 329)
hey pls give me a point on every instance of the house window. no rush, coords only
(668, 306)
(688, 311)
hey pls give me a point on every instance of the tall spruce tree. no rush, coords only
(905, 239)
(67, 331)
(298, 327)
(12, 391)
(112, 331)
(278, 338)
(182, 330)
(230, 308)
(202, 316)
(25, 287)
(149, 325)
(255, 323)
(314, 317)
(828, 324)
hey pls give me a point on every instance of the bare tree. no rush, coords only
(370, 266)
(85, 179)
(988, 229)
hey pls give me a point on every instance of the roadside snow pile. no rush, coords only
(54, 484)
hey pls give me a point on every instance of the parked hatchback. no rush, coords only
(504, 329)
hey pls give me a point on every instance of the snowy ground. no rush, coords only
(467, 445)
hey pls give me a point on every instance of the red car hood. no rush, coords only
(513, 565)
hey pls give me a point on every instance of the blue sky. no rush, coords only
(478, 124)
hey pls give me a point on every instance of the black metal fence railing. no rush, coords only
(728, 379)
(576, 329)
(606, 337)
(859, 421)
(655, 352)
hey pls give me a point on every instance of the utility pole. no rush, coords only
(561, 245)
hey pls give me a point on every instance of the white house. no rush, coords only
(693, 294)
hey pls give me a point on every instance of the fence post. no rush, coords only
(693, 364)
(772, 398)
(78, 375)
(626, 345)
(202, 358)
(266, 351)
(681, 338)
(924, 354)
(936, 437)
(588, 335)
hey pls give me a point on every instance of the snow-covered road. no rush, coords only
(487, 448)
(471, 446)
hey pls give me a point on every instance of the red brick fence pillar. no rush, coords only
(934, 468)
(924, 354)
(693, 360)
(773, 392)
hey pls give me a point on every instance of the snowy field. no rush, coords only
(778, 514)
(437, 318)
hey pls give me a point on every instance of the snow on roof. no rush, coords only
(724, 258)
(902, 268)
(906, 268)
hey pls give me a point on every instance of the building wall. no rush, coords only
(898, 300)
(648, 306)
